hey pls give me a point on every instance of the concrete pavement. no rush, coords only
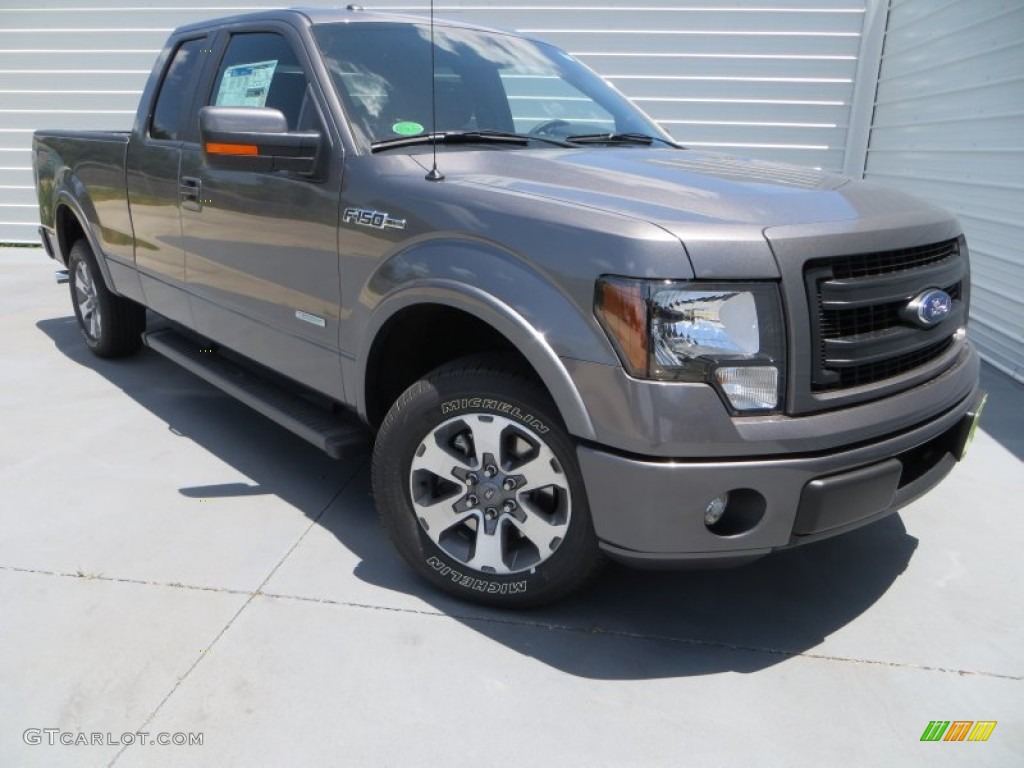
(173, 563)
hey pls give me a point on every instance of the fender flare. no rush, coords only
(64, 198)
(498, 315)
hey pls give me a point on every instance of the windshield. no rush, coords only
(484, 82)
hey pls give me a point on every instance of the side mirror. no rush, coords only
(255, 139)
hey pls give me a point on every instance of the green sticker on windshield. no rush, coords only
(407, 128)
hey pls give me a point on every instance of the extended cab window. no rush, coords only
(260, 69)
(175, 91)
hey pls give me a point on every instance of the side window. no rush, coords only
(175, 94)
(260, 69)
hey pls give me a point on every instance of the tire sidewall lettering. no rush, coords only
(471, 582)
(506, 409)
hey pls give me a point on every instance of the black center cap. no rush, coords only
(490, 492)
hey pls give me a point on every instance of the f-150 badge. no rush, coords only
(370, 218)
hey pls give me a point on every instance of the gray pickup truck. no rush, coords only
(567, 337)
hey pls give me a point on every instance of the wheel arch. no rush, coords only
(68, 223)
(429, 308)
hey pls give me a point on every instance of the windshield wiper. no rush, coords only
(617, 138)
(463, 137)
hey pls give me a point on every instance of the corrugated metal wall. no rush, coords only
(949, 126)
(765, 78)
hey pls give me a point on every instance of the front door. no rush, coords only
(262, 248)
(154, 156)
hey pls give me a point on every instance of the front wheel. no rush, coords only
(111, 325)
(476, 480)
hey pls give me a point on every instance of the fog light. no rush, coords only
(750, 388)
(715, 510)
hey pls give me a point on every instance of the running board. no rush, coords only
(335, 434)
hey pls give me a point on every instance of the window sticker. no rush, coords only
(246, 85)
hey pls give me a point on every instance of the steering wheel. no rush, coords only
(549, 127)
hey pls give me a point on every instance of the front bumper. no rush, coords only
(651, 512)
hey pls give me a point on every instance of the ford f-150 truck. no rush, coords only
(568, 337)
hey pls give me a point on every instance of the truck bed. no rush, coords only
(92, 163)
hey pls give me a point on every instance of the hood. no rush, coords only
(701, 198)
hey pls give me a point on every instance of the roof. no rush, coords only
(352, 14)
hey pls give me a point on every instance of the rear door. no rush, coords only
(154, 155)
(262, 247)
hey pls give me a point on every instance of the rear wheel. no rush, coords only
(476, 480)
(111, 325)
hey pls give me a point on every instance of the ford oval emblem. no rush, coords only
(930, 308)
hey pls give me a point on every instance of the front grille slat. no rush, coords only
(860, 332)
(871, 290)
(881, 345)
(888, 262)
(874, 372)
(854, 322)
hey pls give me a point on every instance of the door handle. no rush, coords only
(190, 193)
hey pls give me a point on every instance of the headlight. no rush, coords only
(729, 335)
